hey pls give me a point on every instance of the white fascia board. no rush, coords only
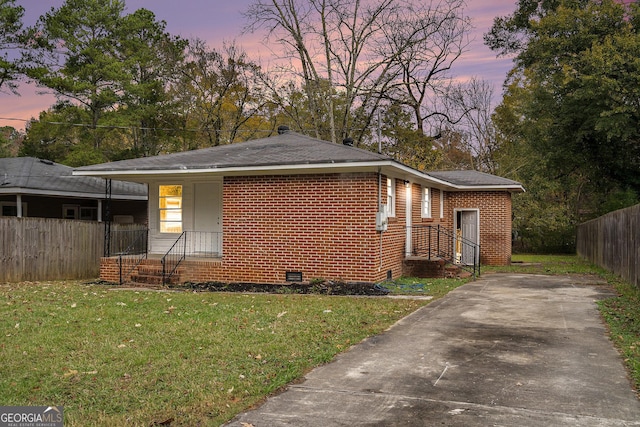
(52, 193)
(244, 170)
(516, 188)
(388, 167)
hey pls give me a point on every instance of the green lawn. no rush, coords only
(139, 357)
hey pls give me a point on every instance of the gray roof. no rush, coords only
(287, 151)
(289, 148)
(471, 178)
(28, 175)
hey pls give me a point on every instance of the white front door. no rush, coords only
(467, 228)
(207, 218)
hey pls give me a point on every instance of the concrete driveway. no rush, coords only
(505, 350)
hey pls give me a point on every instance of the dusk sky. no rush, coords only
(221, 20)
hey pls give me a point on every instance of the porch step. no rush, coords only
(150, 273)
(432, 268)
(455, 272)
(416, 266)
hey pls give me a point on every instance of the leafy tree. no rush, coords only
(578, 62)
(10, 28)
(10, 141)
(111, 72)
(149, 57)
(402, 141)
(75, 55)
(59, 135)
(220, 93)
(568, 125)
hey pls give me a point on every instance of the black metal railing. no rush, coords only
(119, 241)
(174, 256)
(435, 241)
(133, 254)
(203, 244)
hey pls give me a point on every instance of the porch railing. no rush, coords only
(133, 254)
(435, 241)
(125, 238)
(203, 244)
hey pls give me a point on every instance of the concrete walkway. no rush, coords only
(505, 350)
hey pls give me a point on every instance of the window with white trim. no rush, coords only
(170, 205)
(391, 197)
(426, 202)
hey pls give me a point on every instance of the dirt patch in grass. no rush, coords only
(324, 288)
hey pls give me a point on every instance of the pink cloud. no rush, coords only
(219, 22)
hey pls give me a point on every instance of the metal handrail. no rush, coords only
(439, 242)
(174, 256)
(127, 257)
(200, 244)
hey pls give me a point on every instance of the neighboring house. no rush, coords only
(294, 208)
(31, 187)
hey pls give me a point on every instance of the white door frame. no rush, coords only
(476, 238)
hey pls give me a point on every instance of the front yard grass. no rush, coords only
(142, 358)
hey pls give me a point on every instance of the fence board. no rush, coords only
(37, 249)
(613, 242)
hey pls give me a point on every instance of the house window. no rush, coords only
(391, 197)
(70, 211)
(88, 213)
(170, 198)
(426, 202)
(11, 209)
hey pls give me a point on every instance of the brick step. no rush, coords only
(453, 272)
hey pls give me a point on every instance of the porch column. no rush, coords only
(408, 220)
(99, 210)
(19, 205)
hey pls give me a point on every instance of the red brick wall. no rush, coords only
(324, 226)
(321, 225)
(395, 236)
(495, 221)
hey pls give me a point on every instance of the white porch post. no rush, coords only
(408, 220)
(19, 205)
(99, 210)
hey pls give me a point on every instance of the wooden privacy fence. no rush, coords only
(38, 249)
(613, 242)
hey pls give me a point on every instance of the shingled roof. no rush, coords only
(286, 152)
(470, 178)
(29, 175)
(287, 148)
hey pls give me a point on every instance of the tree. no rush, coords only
(149, 57)
(364, 51)
(112, 71)
(74, 54)
(10, 27)
(578, 61)
(220, 93)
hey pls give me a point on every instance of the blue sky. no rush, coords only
(221, 20)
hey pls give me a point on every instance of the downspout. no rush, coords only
(408, 217)
(379, 210)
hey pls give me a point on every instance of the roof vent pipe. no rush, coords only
(283, 129)
(348, 141)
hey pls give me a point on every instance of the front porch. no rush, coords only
(432, 251)
(195, 256)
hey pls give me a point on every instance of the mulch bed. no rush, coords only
(325, 288)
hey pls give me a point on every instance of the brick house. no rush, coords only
(294, 208)
(31, 187)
